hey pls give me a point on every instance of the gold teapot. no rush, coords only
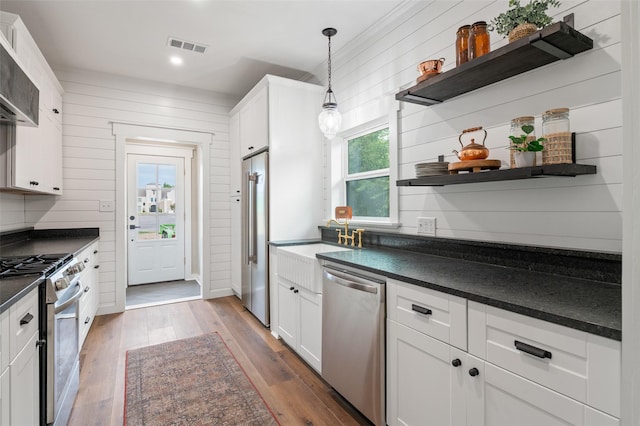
(472, 151)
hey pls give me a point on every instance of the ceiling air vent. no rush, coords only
(186, 45)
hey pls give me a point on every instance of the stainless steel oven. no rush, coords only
(63, 291)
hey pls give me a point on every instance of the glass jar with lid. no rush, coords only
(479, 42)
(516, 130)
(462, 44)
(558, 147)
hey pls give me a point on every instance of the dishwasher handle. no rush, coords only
(353, 282)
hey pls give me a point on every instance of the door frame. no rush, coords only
(186, 153)
(159, 135)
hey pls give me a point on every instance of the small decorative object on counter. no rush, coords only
(462, 44)
(429, 68)
(516, 130)
(479, 42)
(520, 21)
(556, 131)
(473, 156)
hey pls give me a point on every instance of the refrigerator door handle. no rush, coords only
(253, 225)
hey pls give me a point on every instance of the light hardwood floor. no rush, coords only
(294, 392)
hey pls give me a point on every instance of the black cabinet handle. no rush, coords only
(55, 188)
(26, 319)
(55, 111)
(474, 372)
(421, 309)
(86, 289)
(86, 260)
(95, 251)
(96, 267)
(456, 362)
(295, 291)
(41, 343)
(87, 320)
(250, 148)
(34, 182)
(291, 288)
(532, 350)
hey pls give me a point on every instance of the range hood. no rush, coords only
(19, 97)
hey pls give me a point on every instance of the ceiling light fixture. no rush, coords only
(175, 60)
(329, 119)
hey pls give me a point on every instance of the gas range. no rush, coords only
(42, 264)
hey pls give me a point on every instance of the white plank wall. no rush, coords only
(11, 211)
(90, 102)
(582, 212)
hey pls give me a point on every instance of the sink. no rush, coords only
(299, 264)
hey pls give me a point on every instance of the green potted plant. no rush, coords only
(520, 21)
(525, 147)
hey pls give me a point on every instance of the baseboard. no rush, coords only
(215, 294)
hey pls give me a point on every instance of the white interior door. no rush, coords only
(156, 216)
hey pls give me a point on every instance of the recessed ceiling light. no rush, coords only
(175, 60)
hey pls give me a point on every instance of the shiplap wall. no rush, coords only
(91, 101)
(11, 211)
(582, 212)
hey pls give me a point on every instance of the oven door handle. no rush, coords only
(77, 295)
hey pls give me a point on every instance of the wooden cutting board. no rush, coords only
(474, 166)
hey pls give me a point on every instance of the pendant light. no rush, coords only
(329, 119)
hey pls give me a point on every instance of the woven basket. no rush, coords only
(557, 148)
(521, 31)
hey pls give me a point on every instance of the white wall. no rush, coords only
(11, 211)
(582, 212)
(91, 101)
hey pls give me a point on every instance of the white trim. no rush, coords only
(630, 392)
(201, 140)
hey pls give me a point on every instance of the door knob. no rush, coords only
(456, 362)
(132, 217)
(474, 372)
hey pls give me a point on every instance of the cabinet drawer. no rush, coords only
(431, 312)
(579, 365)
(23, 322)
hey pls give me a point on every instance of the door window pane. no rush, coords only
(156, 200)
(369, 197)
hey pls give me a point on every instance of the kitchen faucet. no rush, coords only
(345, 238)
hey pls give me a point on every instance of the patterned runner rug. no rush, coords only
(195, 381)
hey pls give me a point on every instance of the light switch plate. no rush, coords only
(427, 226)
(106, 205)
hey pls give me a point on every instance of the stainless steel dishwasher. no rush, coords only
(353, 338)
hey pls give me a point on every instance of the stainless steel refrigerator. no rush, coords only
(255, 236)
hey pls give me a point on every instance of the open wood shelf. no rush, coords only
(552, 43)
(498, 175)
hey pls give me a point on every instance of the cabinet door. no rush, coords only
(419, 379)
(27, 157)
(254, 123)
(236, 245)
(508, 399)
(5, 398)
(287, 313)
(24, 393)
(310, 336)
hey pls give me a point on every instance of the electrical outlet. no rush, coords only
(427, 226)
(106, 205)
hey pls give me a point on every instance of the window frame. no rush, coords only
(358, 122)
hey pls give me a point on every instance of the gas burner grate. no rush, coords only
(15, 266)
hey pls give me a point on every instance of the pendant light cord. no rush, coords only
(329, 64)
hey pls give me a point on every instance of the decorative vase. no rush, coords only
(521, 31)
(524, 158)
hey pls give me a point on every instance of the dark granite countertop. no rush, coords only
(591, 306)
(28, 241)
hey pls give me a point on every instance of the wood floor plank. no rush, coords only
(295, 393)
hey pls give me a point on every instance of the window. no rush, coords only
(367, 177)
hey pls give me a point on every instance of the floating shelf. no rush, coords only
(506, 174)
(552, 43)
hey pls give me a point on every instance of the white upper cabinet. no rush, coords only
(34, 154)
(254, 123)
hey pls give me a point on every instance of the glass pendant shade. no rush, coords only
(330, 119)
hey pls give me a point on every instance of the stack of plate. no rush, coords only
(432, 169)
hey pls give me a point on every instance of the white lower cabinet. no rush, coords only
(88, 304)
(24, 370)
(5, 399)
(300, 321)
(560, 376)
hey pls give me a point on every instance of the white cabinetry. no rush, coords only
(518, 370)
(88, 304)
(300, 321)
(34, 154)
(19, 363)
(235, 170)
(254, 123)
